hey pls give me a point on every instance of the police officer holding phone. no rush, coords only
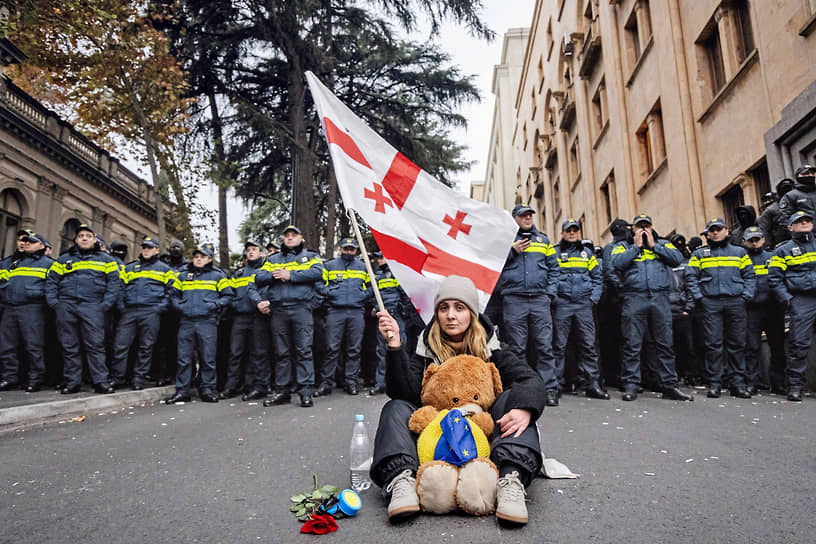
(528, 284)
(645, 267)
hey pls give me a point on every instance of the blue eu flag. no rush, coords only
(456, 445)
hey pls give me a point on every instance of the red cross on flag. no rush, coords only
(425, 230)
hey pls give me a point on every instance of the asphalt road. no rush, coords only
(723, 470)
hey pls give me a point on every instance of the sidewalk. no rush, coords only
(19, 409)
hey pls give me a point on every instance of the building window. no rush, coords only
(610, 201)
(651, 147)
(524, 136)
(714, 58)
(10, 221)
(575, 161)
(741, 13)
(600, 113)
(638, 30)
(534, 103)
(762, 179)
(540, 73)
(557, 197)
(550, 40)
(731, 200)
(726, 41)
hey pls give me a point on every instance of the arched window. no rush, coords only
(67, 235)
(11, 215)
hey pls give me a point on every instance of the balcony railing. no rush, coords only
(590, 52)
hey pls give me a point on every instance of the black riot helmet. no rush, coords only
(806, 174)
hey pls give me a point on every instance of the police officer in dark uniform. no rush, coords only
(22, 291)
(396, 303)
(164, 361)
(769, 221)
(347, 282)
(285, 287)
(249, 334)
(148, 285)
(764, 314)
(200, 293)
(579, 290)
(271, 248)
(644, 267)
(82, 285)
(802, 197)
(118, 250)
(609, 308)
(528, 284)
(792, 277)
(721, 280)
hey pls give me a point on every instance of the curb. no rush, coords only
(19, 416)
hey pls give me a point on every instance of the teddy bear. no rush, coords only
(454, 425)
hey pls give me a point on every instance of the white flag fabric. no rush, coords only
(425, 230)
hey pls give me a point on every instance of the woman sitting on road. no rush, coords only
(457, 329)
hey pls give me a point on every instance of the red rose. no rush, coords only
(319, 525)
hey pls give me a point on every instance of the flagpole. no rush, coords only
(353, 216)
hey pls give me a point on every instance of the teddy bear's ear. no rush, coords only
(497, 383)
(430, 371)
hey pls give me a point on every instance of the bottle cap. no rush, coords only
(349, 502)
(359, 417)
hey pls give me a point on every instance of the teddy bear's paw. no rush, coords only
(476, 490)
(436, 487)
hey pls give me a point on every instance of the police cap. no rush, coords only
(752, 233)
(798, 215)
(521, 209)
(714, 223)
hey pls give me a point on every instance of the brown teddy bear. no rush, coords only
(454, 427)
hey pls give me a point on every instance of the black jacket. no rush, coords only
(403, 374)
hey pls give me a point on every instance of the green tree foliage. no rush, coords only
(249, 60)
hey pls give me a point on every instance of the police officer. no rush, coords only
(769, 220)
(527, 285)
(285, 287)
(764, 314)
(148, 285)
(609, 308)
(164, 362)
(682, 306)
(82, 285)
(721, 280)
(579, 290)
(118, 250)
(644, 267)
(200, 293)
(792, 277)
(22, 290)
(249, 334)
(397, 304)
(802, 197)
(271, 248)
(347, 282)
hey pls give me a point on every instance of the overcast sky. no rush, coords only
(475, 57)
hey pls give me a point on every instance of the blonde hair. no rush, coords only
(474, 343)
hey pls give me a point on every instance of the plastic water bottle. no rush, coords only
(360, 455)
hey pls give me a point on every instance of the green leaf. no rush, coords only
(298, 498)
(295, 507)
(319, 495)
(303, 518)
(300, 512)
(329, 489)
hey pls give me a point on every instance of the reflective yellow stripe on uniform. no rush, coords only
(579, 262)
(647, 255)
(329, 275)
(539, 247)
(293, 265)
(808, 257)
(32, 272)
(720, 262)
(203, 285)
(223, 283)
(147, 274)
(760, 269)
(778, 262)
(387, 282)
(4, 275)
(618, 249)
(242, 282)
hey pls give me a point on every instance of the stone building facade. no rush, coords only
(52, 178)
(684, 109)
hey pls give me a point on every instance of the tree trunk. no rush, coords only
(302, 159)
(223, 233)
(154, 173)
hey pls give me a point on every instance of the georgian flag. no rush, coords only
(425, 230)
